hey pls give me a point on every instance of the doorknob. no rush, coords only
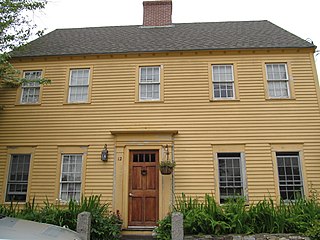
(130, 195)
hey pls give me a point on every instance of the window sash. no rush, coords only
(78, 85)
(223, 90)
(289, 175)
(30, 91)
(231, 175)
(18, 175)
(223, 81)
(278, 89)
(278, 80)
(149, 83)
(78, 94)
(277, 71)
(71, 177)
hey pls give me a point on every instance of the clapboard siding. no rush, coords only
(251, 119)
(3, 177)
(44, 174)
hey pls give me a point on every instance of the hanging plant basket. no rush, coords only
(166, 167)
(166, 170)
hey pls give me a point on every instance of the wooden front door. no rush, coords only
(143, 188)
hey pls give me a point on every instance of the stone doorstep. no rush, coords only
(131, 237)
(136, 234)
(249, 237)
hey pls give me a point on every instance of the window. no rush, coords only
(30, 91)
(149, 83)
(17, 186)
(231, 182)
(70, 182)
(223, 81)
(289, 173)
(78, 85)
(278, 81)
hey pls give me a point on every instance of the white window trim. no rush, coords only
(300, 173)
(242, 172)
(23, 88)
(60, 183)
(70, 86)
(278, 80)
(140, 83)
(228, 81)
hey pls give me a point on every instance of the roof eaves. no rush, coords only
(162, 51)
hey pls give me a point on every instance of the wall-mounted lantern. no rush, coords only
(104, 153)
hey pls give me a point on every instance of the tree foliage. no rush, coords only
(16, 28)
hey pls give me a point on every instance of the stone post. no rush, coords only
(84, 225)
(177, 226)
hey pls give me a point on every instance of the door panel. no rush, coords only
(136, 175)
(150, 205)
(143, 188)
(151, 178)
(137, 212)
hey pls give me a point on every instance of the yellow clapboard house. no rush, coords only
(234, 104)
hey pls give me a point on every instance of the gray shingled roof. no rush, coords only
(179, 37)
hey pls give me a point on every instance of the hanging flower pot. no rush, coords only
(166, 167)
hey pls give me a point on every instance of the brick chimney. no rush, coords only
(157, 13)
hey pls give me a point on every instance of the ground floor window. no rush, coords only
(289, 173)
(18, 175)
(70, 182)
(231, 175)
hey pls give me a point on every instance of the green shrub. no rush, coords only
(236, 216)
(314, 231)
(207, 217)
(104, 224)
(164, 229)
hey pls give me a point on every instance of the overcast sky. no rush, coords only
(298, 17)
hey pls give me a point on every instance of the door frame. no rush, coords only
(126, 140)
(131, 152)
(121, 198)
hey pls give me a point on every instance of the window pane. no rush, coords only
(150, 92)
(32, 75)
(79, 77)
(278, 89)
(30, 90)
(222, 77)
(149, 87)
(230, 176)
(290, 180)
(277, 78)
(222, 73)
(149, 75)
(79, 85)
(143, 76)
(276, 72)
(223, 90)
(71, 172)
(78, 94)
(18, 177)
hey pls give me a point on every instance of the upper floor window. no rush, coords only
(231, 176)
(149, 83)
(78, 85)
(278, 80)
(223, 81)
(289, 173)
(17, 185)
(30, 90)
(70, 181)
